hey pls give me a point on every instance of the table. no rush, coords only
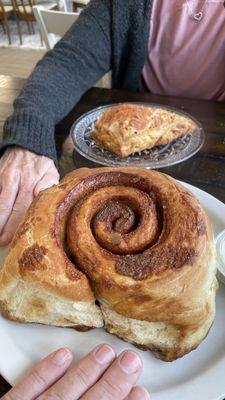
(205, 170)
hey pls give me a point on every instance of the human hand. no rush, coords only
(100, 375)
(23, 174)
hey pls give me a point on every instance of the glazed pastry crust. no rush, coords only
(130, 128)
(38, 283)
(142, 246)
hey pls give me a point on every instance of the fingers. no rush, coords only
(12, 208)
(116, 383)
(23, 174)
(79, 379)
(23, 201)
(46, 182)
(118, 380)
(9, 188)
(138, 393)
(41, 377)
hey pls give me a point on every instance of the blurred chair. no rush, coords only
(53, 24)
(5, 12)
(78, 5)
(23, 10)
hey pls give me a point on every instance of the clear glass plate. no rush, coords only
(157, 157)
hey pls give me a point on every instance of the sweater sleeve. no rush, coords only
(59, 80)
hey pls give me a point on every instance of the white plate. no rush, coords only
(197, 376)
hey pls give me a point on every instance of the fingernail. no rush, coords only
(104, 354)
(130, 362)
(61, 356)
(139, 393)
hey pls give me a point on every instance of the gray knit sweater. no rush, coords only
(109, 34)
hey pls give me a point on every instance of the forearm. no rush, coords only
(59, 80)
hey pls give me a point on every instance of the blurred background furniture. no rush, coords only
(18, 21)
(53, 24)
(5, 12)
(23, 10)
(78, 5)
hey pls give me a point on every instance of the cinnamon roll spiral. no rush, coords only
(133, 239)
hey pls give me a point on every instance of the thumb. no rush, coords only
(46, 182)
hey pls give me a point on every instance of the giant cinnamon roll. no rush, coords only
(133, 239)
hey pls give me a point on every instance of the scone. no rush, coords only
(130, 128)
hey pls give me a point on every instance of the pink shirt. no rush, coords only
(186, 58)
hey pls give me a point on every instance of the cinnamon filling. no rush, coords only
(124, 219)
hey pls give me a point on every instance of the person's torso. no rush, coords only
(186, 53)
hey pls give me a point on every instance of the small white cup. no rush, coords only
(220, 255)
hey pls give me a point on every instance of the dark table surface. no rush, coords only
(205, 170)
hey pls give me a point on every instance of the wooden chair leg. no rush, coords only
(19, 30)
(18, 26)
(29, 28)
(32, 27)
(7, 28)
(3, 26)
